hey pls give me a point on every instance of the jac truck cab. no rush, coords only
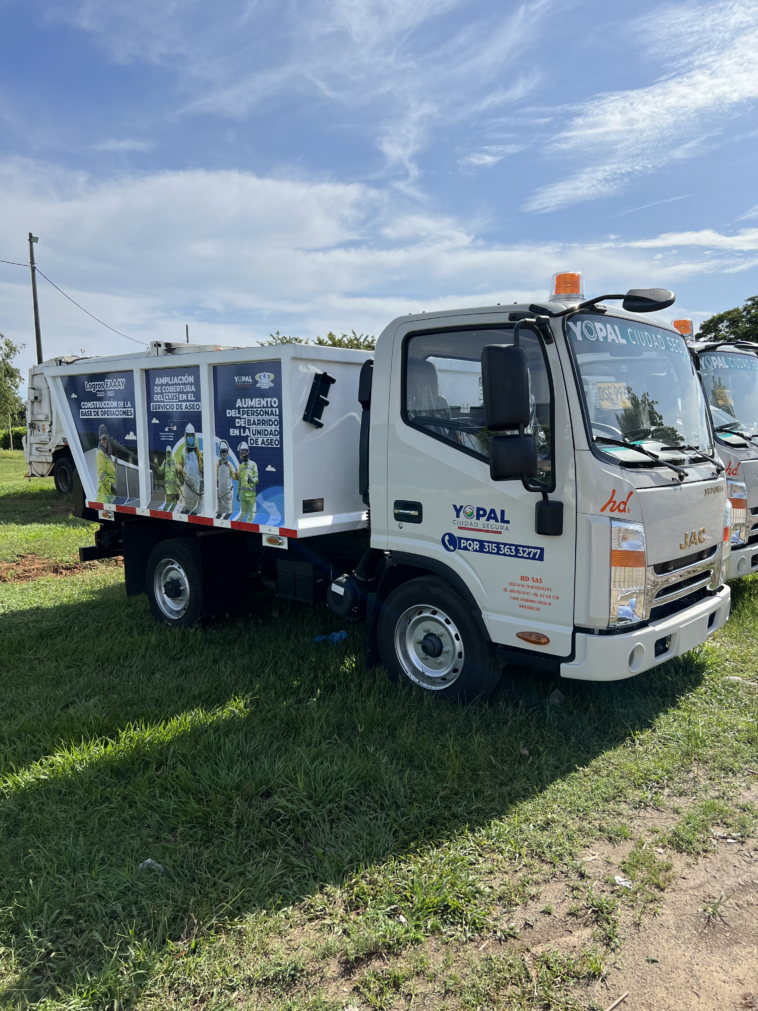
(529, 484)
(729, 372)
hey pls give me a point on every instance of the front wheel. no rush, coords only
(173, 582)
(428, 635)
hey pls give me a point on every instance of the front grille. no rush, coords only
(701, 579)
(753, 539)
(663, 568)
(754, 511)
(661, 611)
(681, 579)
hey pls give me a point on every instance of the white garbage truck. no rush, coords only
(527, 484)
(729, 372)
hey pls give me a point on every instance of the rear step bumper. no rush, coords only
(615, 657)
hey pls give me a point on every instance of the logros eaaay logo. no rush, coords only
(469, 517)
(264, 380)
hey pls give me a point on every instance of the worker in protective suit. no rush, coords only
(248, 479)
(225, 476)
(189, 470)
(171, 487)
(105, 467)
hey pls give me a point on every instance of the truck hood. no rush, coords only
(681, 520)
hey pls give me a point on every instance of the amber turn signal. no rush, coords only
(536, 638)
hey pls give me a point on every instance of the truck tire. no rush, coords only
(427, 634)
(173, 583)
(63, 475)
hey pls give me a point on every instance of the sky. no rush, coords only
(249, 166)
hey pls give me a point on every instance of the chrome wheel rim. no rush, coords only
(172, 589)
(429, 647)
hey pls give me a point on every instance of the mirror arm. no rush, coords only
(585, 305)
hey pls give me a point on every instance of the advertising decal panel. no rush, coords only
(249, 463)
(175, 442)
(102, 409)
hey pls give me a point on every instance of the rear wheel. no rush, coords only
(63, 475)
(173, 582)
(428, 635)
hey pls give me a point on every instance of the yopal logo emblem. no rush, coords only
(264, 380)
(617, 506)
(479, 514)
(692, 538)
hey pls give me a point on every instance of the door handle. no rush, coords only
(408, 512)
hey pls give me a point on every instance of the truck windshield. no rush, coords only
(731, 386)
(640, 387)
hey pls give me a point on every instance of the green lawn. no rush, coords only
(320, 836)
(34, 519)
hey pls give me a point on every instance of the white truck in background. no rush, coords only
(46, 448)
(729, 371)
(527, 484)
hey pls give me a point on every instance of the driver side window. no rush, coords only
(443, 391)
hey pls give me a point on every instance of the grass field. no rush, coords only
(319, 838)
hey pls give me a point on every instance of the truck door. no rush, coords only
(444, 508)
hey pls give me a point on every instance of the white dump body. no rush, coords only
(126, 420)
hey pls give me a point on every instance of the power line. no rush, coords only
(134, 339)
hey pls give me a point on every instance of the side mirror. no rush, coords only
(648, 299)
(505, 387)
(512, 457)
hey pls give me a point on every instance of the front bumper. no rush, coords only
(615, 657)
(743, 561)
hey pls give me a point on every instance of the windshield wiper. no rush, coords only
(706, 456)
(680, 471)
(728, 430)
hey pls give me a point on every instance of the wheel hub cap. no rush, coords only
(172, 590)
(429, 647)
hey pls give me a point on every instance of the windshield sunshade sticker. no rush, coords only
(712, 363)
(453, 542)
(595, 330)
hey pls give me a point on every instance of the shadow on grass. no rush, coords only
(39, 505)
(253, 765)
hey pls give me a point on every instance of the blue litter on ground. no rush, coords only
(332, 637)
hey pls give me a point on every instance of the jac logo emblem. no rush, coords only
(732, 471)
(619, 506)
(693, 538)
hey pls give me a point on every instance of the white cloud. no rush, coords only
(748, 215)
(709, 53)
(124, 145)
(743, 240)
(410, 64)
(489, 155)
(237, 256)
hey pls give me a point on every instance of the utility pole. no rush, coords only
(37, 333)
(186, 330)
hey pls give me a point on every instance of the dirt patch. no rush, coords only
(26, 568)
(701, 950)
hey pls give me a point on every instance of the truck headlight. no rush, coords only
(726, 547)
(628, 568)
(737, 493)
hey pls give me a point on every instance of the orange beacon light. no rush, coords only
(567, 286)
